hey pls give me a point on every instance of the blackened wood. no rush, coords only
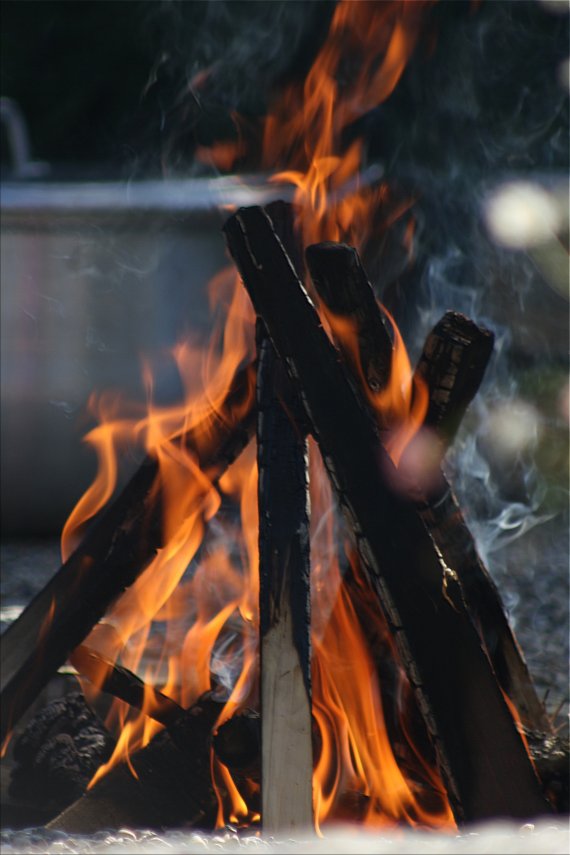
(56, 756)
(237, 743)
(342, 285)
(284, 592)
(346, 294)
(444, 519)
(119, 545)
(124, 684)
(452, 363)
(483, 761)
(411, 745)
(282, 215)
(173, 786)
(551, 755)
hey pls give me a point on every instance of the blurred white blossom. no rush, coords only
(522, 214)
(513, 427)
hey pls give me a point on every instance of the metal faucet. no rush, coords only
(18, 138)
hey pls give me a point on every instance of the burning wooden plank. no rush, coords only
(284, 589)
(452, 364)
(237, 743)
(481, 755)
(342, 285)
(287, 757)
(119, 545)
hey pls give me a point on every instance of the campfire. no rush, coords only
(285, 600)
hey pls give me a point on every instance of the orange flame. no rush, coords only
(357, 68)
(305, 130)
(220, 587)
(401, 405)
(356, 754)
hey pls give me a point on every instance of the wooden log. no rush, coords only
(481, 756)
(124, 684)
(455, 355)
(115, 550)
(284, 591)
(284, 601)
(411, 745)
(444, 518)
(452, 365)
(342, 285)
(172, 786)
(345, 293)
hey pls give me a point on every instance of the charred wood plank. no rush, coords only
(452, 365)
(453, 362)
(444, 518)
(347, 296)
(284, 593)
(115, 550)
(284, 602)
(481, 755)
(342, 285)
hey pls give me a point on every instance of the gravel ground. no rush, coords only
(506, 838)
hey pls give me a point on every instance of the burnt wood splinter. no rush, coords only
(481, 756)
(115, 550)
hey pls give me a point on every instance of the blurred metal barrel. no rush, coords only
(92, 277)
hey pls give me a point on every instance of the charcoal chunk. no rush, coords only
(58, 753)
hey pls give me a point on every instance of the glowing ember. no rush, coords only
(358, 67)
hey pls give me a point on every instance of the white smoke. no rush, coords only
(482, 145)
